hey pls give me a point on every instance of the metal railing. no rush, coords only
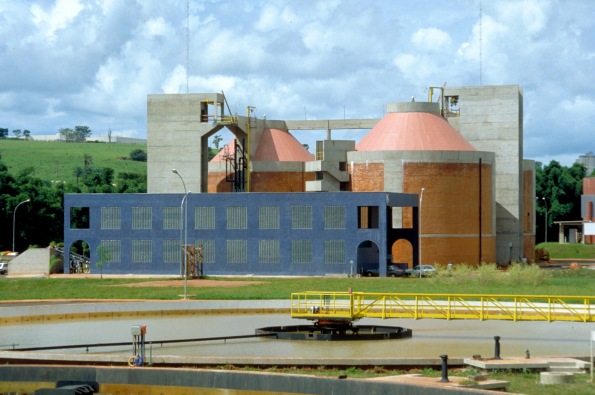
(357, 305)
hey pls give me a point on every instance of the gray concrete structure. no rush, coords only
(491, 119)
(34, 261)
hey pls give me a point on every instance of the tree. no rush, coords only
(216, 141)
(26, 133)
(104, 254)
(17, 133)
(3, 133)
(562, 188)
(81, 133)
(109, 135)
(67, 134)
(138, 155)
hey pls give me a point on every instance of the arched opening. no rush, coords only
(402, 253)
(80, 253)
(368, 262)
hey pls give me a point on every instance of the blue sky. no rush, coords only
(73, 62)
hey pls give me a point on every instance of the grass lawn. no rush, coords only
(57, 161)
(525, 281)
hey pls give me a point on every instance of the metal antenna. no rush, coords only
(480, 46)
(187, 44)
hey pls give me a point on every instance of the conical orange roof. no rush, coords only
(275, 145)
(413, 131)
(278, 145)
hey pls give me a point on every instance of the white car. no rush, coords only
(421, 270)
(3, 267)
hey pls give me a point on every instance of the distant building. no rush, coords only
(587, 160)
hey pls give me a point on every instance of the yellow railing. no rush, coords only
(356, 305)
(227, 120)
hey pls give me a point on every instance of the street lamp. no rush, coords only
(545, 203)
(421, 196)
(14, 215)
(181, 217)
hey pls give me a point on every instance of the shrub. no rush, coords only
(541, 254)
(138, 155)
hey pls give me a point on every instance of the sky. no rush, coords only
(93, 62)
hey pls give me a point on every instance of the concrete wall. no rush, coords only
(117, 380)
(491, 119)
(34, 261)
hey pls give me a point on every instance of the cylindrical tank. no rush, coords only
(414, 147)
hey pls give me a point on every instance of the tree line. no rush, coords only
(79, 134)
(40, 221)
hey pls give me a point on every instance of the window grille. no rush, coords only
(301, 251)
(142, 251)
(142, 217)
(268, 217)
(237, 251)
(111, 218)
(208, 250)
(268, 251)
(204, 218)
(334, 217)
(172, 218)
(114, 250)
(301, 217)
(237, 217)
(171, 251)
(334, 251)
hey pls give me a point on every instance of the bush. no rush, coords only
(138, 155)
(520, 273)
(541, 254)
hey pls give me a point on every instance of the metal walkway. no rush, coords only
(345, 306)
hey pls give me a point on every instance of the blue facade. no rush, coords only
(240, 233)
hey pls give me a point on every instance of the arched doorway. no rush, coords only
(402, 253)
(80, 253)
(368, 258)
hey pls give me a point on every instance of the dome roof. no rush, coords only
(275, 145)
(413, 131)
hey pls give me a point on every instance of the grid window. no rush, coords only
(142, 217)
(204, 218)
(172, 218)
(237, 217)
(334, 217)
(171, 251)
(142, 251)
(208, 250)
(237, 251)
(268, 217)
(268, 251)
(301, 217)
(111, 218)
(113, 250)
(301, 251)
(334, 251)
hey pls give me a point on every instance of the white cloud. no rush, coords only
(59, 17)
(431, 39)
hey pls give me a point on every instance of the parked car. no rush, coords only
(421, 270)
(391, 271)
(3, 267)
(394, 271)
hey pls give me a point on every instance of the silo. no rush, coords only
(277, 164)
(413, 148)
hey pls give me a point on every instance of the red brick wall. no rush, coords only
(450, 210)
(264, 182)
(367, 178)
(528, 216)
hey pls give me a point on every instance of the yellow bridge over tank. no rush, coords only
(346, 306)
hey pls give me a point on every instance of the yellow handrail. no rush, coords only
(356, 305)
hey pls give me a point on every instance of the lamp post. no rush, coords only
(14, 216)
(181, 216)
(421, 196)
(545, 203)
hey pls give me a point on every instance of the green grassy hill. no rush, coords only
(56, 161)
(569, 251)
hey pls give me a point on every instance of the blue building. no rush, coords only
(242, 233)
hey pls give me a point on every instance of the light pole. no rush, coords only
(545, 203)
(421, 196)
(185, 201)
(181, 217)
(14, 216)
